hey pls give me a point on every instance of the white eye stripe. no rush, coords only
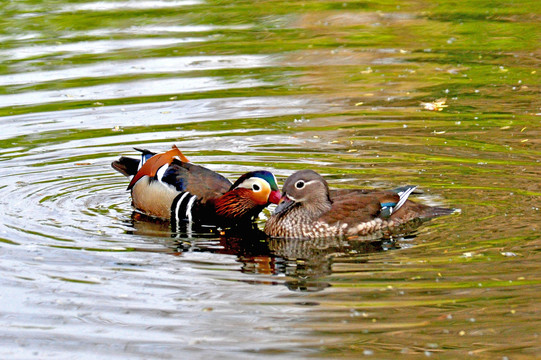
(305, 183)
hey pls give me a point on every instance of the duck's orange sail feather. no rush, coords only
(152, 165)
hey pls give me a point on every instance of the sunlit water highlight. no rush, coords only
(340, 88)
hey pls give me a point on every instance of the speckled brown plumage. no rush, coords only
(308, 209)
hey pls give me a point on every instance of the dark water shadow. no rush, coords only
(305, 263)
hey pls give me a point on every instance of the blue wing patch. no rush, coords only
(388, 208)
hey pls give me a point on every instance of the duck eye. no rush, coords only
(256, 187)
(299, 184)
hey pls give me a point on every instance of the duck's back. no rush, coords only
(355, 206)
(204, 183)
(351, 206)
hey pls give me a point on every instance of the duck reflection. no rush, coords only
(305, 263)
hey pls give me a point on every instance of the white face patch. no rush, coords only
(255, 184)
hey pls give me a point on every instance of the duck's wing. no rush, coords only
(353, 206)
(204, 183)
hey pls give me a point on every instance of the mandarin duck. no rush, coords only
(309, 210)
(168, 186)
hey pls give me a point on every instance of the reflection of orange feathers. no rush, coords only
(152, 165)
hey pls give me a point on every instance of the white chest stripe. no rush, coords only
(179, 204)
(189, 208)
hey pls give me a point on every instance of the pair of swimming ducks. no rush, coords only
(168, 186)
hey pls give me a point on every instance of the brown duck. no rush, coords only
(308, 209)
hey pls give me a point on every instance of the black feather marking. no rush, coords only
(171, 176)
(126, 166)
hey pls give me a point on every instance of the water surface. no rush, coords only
(345, 88)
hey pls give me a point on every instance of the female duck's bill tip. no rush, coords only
(283, 204)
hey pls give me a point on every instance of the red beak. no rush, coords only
(274, 197)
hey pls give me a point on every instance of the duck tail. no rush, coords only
(126, 166)
(145, 155)
(435, 211)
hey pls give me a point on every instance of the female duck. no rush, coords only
(308, 209)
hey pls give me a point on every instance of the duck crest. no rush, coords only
(262, 174)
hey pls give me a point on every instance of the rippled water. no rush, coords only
(339, 87)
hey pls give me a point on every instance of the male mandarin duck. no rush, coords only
(308, 209)
(168, 186)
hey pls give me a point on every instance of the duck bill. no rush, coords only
(274, 197)
(284, 204)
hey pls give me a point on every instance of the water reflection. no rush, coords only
(138, 67)
(90, 47)
(128, 89)
(126, 5)
(305, 263)
(159, 29)
(334, 86)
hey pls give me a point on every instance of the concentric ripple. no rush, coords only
(369, 94)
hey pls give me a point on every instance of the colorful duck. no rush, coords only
(168, 186)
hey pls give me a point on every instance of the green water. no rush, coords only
(343, 88)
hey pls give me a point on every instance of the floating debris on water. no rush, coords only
(437, 105)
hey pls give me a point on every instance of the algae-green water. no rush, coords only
(375, 94)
